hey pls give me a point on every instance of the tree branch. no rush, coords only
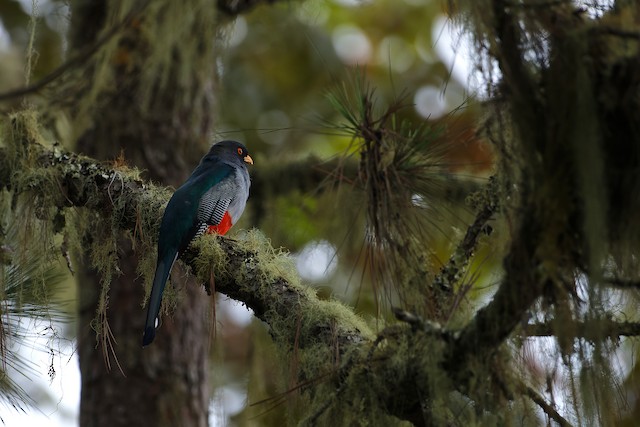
(240, 272)
(228, 7)
(623, 283)
(250, 270)
(247, 269)
(496, 321)
(78, 58)
(451, 272)
(237, 7)
(548, 409)
(592, 330)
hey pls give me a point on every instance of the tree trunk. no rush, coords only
(149, 103)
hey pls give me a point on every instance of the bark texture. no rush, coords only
(158, 121)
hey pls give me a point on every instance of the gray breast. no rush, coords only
(229, 195)
(239, 201)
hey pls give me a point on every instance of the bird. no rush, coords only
(211, 200)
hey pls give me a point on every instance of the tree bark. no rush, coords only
(159, 122)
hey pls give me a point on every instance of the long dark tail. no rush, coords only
(155, 299)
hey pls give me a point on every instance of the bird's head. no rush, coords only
(232, 150)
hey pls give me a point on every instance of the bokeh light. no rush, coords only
(352, 45)
(429, 102)
(317, 261)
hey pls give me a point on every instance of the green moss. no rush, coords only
(39, 199)
(266, 263)
(358, 391)
(211, 257)
(23, 129)
(273, 262)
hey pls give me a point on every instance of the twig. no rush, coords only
(451, 272)
(548, 409)
(236, 7)
(590, 329)
(623, 283)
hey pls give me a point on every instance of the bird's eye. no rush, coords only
(240, 151)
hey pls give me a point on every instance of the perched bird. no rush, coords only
(211, 200)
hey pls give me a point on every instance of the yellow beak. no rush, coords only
(248, 159)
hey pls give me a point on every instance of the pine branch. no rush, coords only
(314, 175)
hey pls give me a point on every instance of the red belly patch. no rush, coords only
(223, 227)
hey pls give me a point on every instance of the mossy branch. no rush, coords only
(451, 272)
(328, 335)
(252, 271)
(495, 322)
(268, 288)
(403, 368)
(548, 409)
